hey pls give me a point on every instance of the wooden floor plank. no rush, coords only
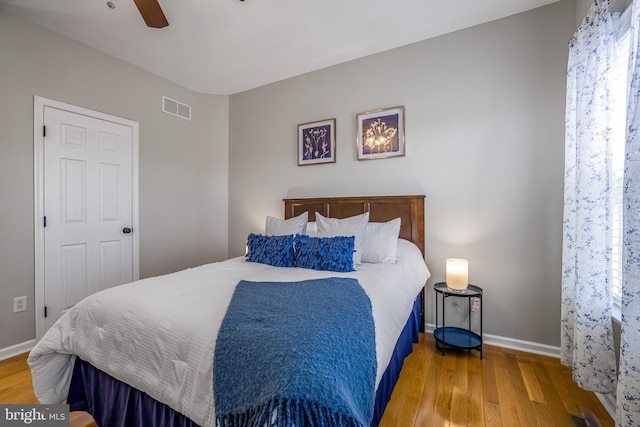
(531, 383)
(475, 405)
(427, 414)
(13, 365)
(507, 398)
(492, 415)
(526, 410)
(553, 409)
(459, 407)
(419, 375)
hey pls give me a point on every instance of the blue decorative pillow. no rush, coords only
(324, 253)
(272, 250)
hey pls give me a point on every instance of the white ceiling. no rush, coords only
(227, 46)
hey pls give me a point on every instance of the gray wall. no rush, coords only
(485, 142)
(183, 165)
(484, 129)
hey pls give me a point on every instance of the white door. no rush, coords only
(88, 220)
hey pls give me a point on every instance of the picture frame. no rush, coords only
(380, 133)
(317, 142)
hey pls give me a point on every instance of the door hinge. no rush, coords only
(44, 131)
(45, 221)
(45, 311)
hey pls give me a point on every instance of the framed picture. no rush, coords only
(317, 142)
(380, 133)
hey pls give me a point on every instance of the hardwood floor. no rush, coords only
(507, 389)
(16, 387)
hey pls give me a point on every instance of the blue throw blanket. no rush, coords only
(296, 353)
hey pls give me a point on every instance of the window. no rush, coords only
(619, 102)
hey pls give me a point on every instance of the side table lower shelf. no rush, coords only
(458, 338)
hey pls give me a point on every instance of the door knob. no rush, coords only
(127, 230)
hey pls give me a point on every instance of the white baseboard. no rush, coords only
(512, 343)
(16, 349)
(609, 403)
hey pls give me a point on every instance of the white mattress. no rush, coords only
(158, 334)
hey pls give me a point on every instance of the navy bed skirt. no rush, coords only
(113, 403)
(404, 347)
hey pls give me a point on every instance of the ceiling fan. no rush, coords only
(152, 13)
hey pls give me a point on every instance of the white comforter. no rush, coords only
(158, 334)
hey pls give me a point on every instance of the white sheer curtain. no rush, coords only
(628, 392)
(587, 339)
(587, 344)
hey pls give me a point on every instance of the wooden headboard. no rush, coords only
(410, 210)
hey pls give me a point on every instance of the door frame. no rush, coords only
(39, 104)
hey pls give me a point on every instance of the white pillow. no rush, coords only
(312, 229)
(281, 227)
(380, 242)
(352, 226)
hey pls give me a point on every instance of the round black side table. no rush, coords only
(454, 336)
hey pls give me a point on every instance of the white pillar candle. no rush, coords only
(457, 273)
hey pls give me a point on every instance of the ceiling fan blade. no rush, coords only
(152, 13)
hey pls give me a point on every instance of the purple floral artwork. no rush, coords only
(316, 142)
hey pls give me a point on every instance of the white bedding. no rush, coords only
(158, 334)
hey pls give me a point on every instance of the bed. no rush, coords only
(143, 353)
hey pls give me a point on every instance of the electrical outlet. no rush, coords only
(19, 304)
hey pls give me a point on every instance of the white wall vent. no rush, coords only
(176, 108)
